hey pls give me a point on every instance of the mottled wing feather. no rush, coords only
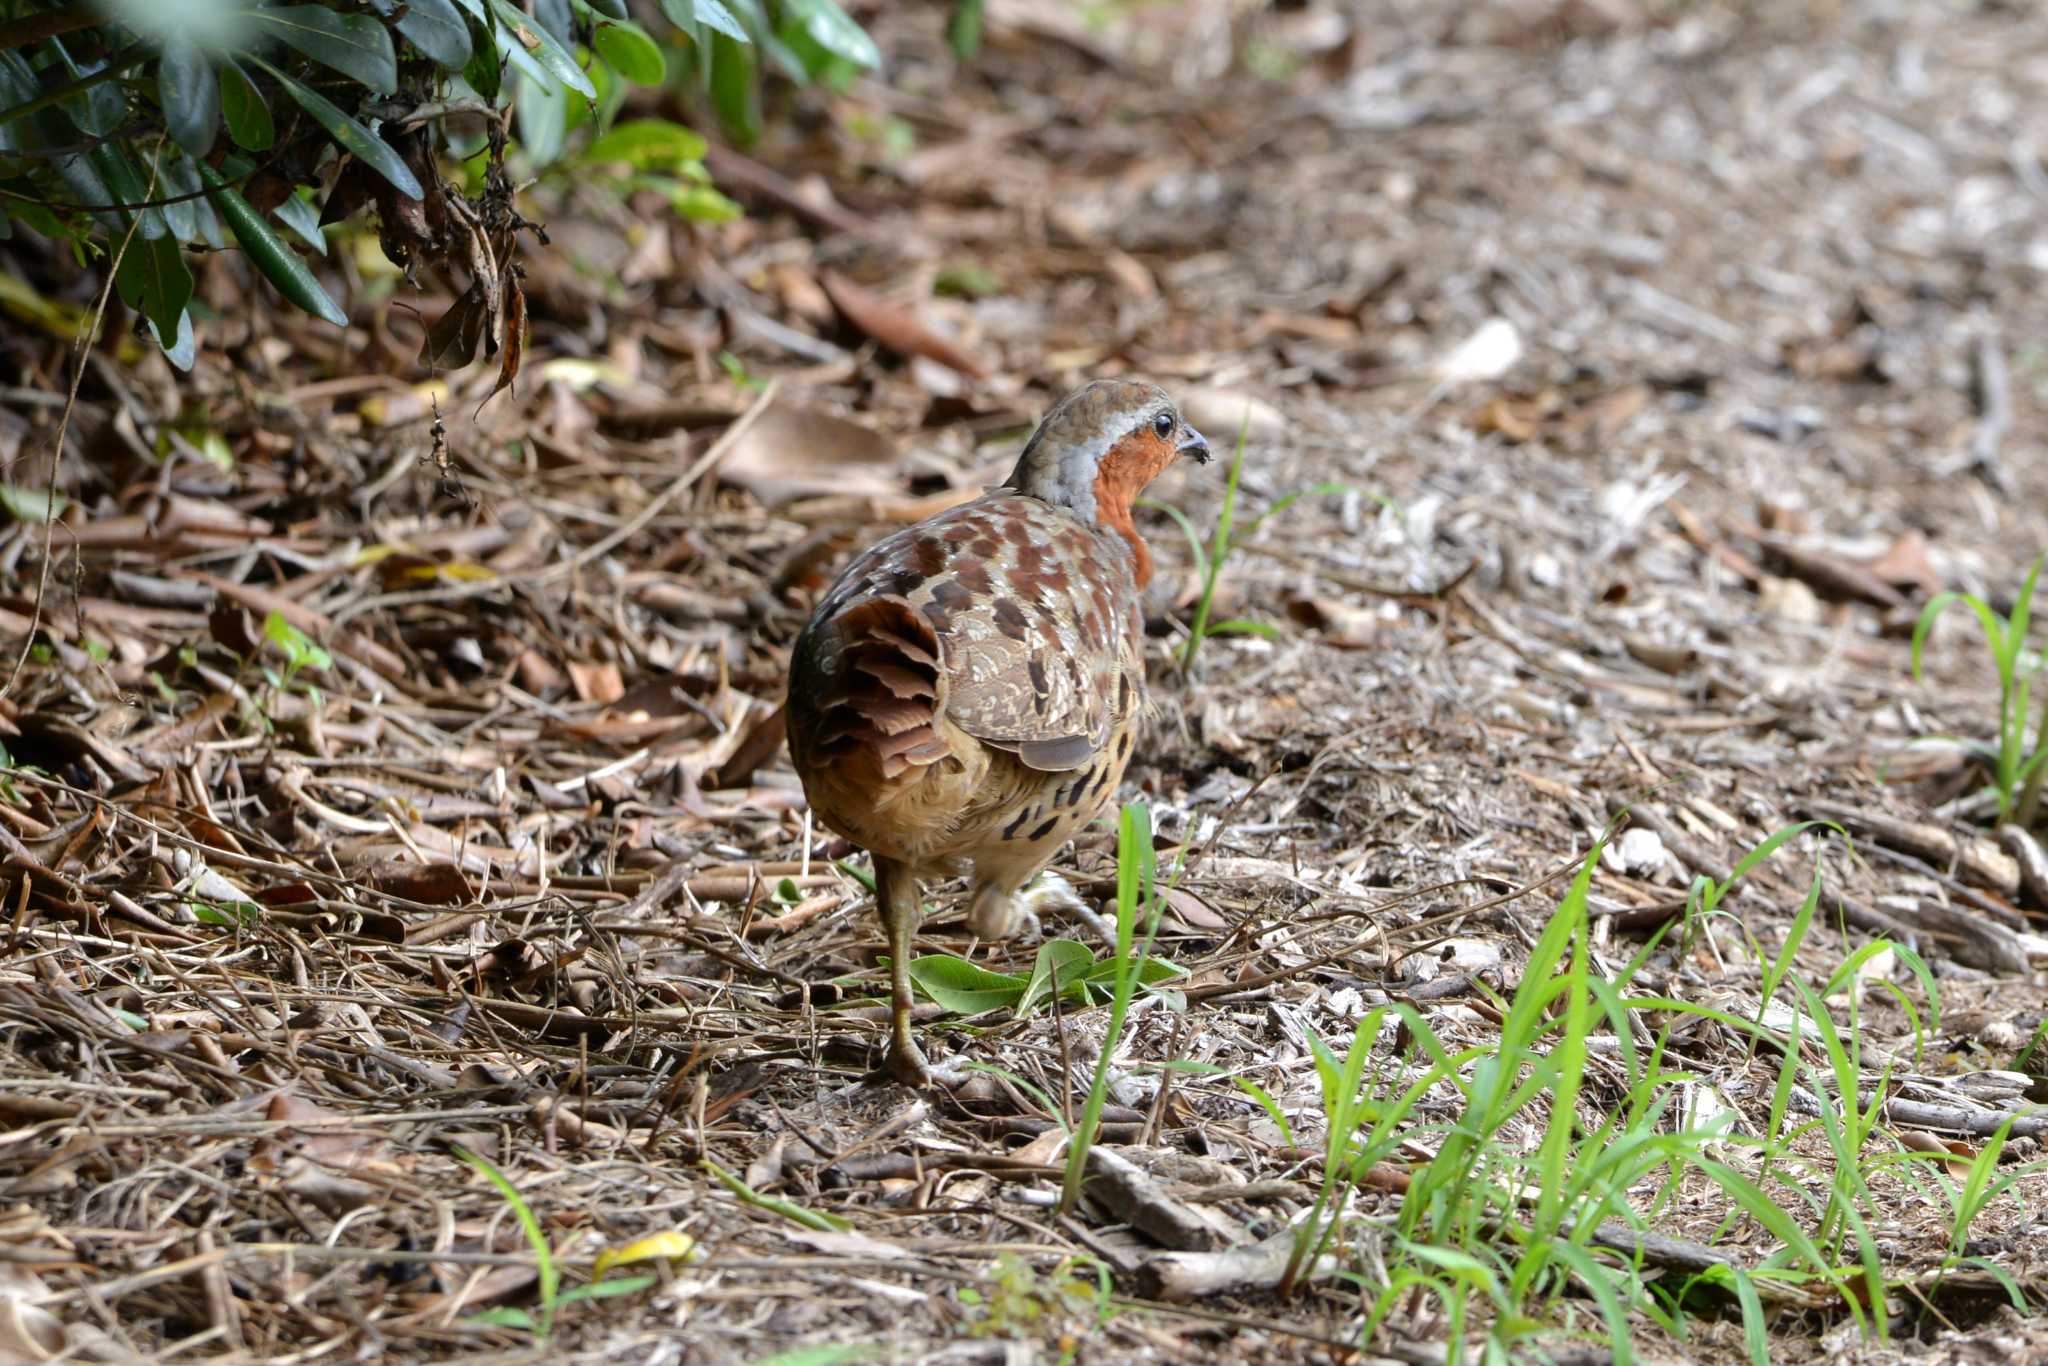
(870, 678)
(1031, 626)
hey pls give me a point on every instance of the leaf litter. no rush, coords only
(361, 812)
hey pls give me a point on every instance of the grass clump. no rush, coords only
(552, 1296)
(2016, 764)
(1543, 1162)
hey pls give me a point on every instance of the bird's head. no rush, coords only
(1097, 450)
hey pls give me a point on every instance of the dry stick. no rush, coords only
(52, 24)
(1994, 406)
(1214, 989)
(631, 527)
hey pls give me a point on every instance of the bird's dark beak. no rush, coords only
(1193, 443)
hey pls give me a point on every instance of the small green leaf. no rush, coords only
(190, 95)
(1061, 961)
(503, 1316)
(712, 14)
(605, 1290)
(631, 52)
(378, 154)
(962, 987)
(1242, 627)
(963, 31)
(543, 48)
(647, 144)
(300, 650)
(830, 28)
(226, 912)
(702, 204)
(279, 263)
(25, 504)
(248, 117)
(356, 45)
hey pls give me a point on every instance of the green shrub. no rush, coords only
(133, 130)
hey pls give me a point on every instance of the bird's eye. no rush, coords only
(1163, 424)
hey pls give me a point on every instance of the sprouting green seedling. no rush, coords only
(775, 1204)
(301, 651)
(552, 1296)
(2016, 766)
(1210, 559)
(1136, 874)
(736, 370)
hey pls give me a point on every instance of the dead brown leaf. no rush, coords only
(792, 452)
(897, 327)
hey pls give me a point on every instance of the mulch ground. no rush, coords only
(391, 776)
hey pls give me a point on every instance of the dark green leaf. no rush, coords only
(176, 177)
(302, 216)
(185, 348)
(543, 120)
(248, 117)
(557, 17)
(735, 93)
(128, 186)
(963, 988)
(518, 58)
(376, 153)
(190, 96)
(540, 45)
(17, 86)
(648, 144)
(632, 53)
(611, 9)
(279, 263)
(485, 71)
(154, 273)
(356, 45)
(438, 30)
(98, 111)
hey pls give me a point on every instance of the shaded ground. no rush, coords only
(1675, 344)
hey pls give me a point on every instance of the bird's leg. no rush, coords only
(897, 899)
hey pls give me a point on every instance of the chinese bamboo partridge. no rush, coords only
(965, 696)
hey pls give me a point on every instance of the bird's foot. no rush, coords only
(906, 1065)
(1051, 892)
(996, 914)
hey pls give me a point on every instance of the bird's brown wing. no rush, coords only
(1034, 622)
